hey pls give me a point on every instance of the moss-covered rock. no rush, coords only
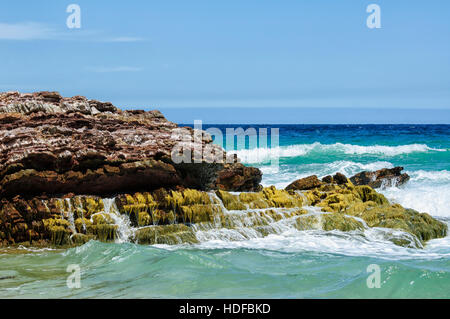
(282, 198)
(144, 219)
(340, 222)
(81, 224)
(422, 225)
(169, 234)
(103, 232)
(328, 221)
(58, 230)
(375, 210)
(230, 201)
(254, 200)
(80, 239)
(267, 198)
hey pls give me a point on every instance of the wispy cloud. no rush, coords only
(25, 31)
(124, 39)
(102, 69)
(39, 31)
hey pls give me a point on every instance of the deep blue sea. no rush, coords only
(291, 264)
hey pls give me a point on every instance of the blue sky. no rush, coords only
(237, 60)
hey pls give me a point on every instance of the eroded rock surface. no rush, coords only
(55, 145)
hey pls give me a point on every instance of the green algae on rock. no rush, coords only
(189, 215)
(169, 234)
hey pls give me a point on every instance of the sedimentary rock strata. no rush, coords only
(55, 145)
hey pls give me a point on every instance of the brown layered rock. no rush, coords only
(306, 183)
(381, 178)
(56, 145)
(239, 178)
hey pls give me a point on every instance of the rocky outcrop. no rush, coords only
(60, 157)
(337, 178)
(55, 145)
(340, 179)
(313, 181)
(304, 183)
(382, 178)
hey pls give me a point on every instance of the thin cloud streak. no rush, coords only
(101, 69)
(25, 31)
(124, 39)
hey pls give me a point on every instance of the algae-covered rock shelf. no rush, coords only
(74, 170)
(189, 216)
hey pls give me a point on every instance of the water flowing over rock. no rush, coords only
(192, 216)
(55, 145)
(382, 178)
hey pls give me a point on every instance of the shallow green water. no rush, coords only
(132, 271)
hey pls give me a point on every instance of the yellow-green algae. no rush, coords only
(58, 229)
(230, 201)
(328, 221)
(90, 222)
(365, 203)
(169, 234)
(268, 197)
(170, 217)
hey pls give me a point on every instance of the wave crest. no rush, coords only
(259, 155)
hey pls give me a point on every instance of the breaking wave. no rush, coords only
(260, 155)
(427, 191)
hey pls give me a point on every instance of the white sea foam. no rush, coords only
(370, 242)
(261, 155)
(387, 150)
(427, 191)
(430, 176)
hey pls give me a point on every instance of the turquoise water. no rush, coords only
(128, 271)
(291, 264)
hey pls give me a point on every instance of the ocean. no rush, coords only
(289, 264)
